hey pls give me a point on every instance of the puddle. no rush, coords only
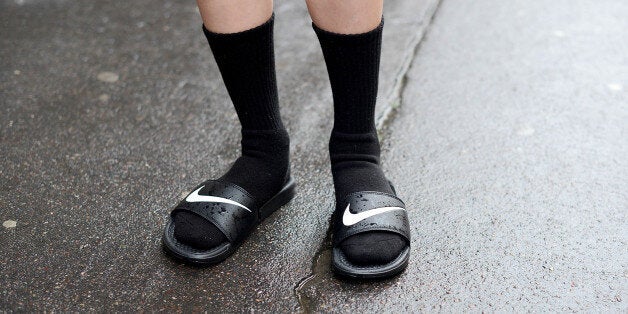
(320, 266)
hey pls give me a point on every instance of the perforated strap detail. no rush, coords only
(370, 211)
(231, 209)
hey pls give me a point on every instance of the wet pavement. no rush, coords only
(111, 111)
(510, 150)
(508, 145)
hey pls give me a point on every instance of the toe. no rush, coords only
(373, 248)
(193, 230)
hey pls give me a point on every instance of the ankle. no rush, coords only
(264, 165)
(355, 163)
(362, 147)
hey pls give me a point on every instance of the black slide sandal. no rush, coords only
(231, 209)
(364, 212)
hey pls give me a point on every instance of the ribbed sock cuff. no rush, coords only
(247, 64)
(366, 36)
(352, 62)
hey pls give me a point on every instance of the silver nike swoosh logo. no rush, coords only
(194, 197)
(349, 219)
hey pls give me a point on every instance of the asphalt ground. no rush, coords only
(507, 143)
(112, 111)
(509, 148)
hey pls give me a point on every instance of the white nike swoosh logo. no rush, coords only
(349, 219)
(194, 197)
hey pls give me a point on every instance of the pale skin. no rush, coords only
(338, 16)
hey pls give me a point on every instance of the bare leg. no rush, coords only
(346, 16)
(232, 16)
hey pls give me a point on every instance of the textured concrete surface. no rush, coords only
(510, 149)
(110, 111)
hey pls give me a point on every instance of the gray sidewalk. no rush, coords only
(508, 145)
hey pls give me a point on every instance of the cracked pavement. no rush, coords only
(507, 143)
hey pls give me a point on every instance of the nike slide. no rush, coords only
(231, 209)
(369, 211)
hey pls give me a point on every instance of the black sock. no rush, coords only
(353, 65)
(247, 65)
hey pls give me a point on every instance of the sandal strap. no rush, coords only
(368, 211)
(229, 207)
